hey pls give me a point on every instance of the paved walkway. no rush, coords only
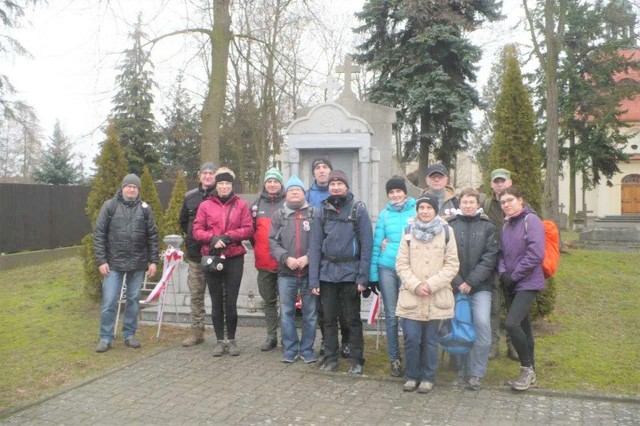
(189, 386)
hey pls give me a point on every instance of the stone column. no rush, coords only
(363, 159)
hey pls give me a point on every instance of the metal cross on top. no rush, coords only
(347, 69)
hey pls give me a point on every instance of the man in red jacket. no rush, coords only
(269, 201)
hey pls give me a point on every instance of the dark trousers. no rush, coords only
(333, 296)
(518, 324)
(224, 287)
(342, 321)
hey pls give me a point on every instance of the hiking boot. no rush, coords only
(132, 342)
(356, 368)
(495, 352)
(103, 346)
(523, 382)
(473, 383)
(512, 353)
(218, 348)
(425, 387)
(195, 338)
(396, 368)
(269, 343)
(346, 350)
(233, 348)
(329, 365)
(410, 386)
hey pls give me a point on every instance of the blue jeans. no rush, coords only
(421, 349)
(389, 287)
(288, 288)
(474, 364)
(111, 286)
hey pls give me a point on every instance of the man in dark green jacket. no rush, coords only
(125, 242)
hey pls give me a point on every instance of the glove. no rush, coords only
(371, 288)
(375, 287)
(508, 284)
(213, 242)
(226, 239)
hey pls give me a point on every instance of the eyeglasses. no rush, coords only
(507, 201)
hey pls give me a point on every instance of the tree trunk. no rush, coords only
(572, 179)
(425, 142)
(213, 108)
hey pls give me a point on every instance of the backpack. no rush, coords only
(551, 259)
(353, 218)
(457, 335)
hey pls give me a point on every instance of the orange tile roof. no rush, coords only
(630, 106)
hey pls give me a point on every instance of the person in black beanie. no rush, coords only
(339, 260)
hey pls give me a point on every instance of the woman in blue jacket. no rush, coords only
(392, 221)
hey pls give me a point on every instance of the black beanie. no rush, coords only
(224, 177)
(433, 201)
(396, 182)
(340, 176)
(320, 161)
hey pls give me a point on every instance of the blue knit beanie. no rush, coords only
(294, 181)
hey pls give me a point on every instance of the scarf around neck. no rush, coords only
(426, 231)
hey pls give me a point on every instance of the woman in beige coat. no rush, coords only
(427, 262)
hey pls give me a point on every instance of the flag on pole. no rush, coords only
(172, 258)
(373, 309)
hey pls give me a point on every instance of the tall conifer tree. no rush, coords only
(514, 146)
(132, 115)
(423, 64)
(57, 166)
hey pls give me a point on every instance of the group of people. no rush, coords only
(317, 246)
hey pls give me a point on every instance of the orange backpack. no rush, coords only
(551, 259)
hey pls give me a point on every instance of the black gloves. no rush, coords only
(372, 287)
(508, 284)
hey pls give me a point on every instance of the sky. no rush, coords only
(76, 44)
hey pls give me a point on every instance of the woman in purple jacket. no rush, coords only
(520, 269)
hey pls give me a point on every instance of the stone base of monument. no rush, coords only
(614, 233)
(177, 301)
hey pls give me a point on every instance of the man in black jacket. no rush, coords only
(125, 242)
(195, 278)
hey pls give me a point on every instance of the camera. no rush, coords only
(213, 263)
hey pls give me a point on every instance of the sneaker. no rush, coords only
(410, 386)
(495, 352)
(132, 342)
(396, 368)
(195, 338)
(523, 382)
(289, 358)
(103, 346)
(356, 368)
(329, 365)
(218, 348)
(345, 350)
(269, 343)
(233, 348)
(309, 358)
(473, 383)
(425, 387)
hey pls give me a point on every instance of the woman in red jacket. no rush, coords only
(222, 222)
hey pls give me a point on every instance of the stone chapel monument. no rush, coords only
(356, 136)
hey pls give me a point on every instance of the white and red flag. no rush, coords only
(373, 309)
(172, 258)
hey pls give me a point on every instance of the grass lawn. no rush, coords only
(591, 343)
(48, 332)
